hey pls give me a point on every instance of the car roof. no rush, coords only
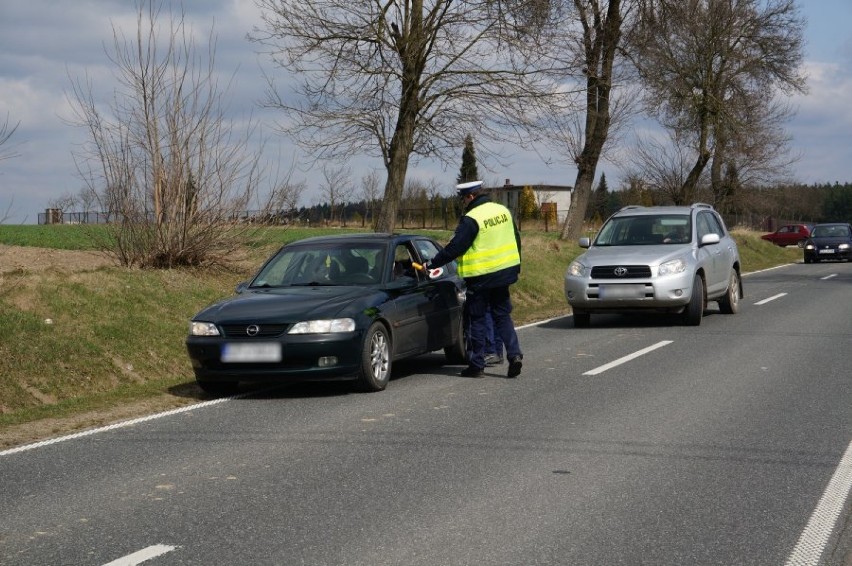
(362, 237)
(832, 224)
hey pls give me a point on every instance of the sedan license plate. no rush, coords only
(827, 251)
(242, 353)
(621, 291)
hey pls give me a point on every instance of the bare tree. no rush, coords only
(163, 158)
(405, 79)
(337, 189)
(592, 44)
(711, 69)
(6, 133)
(369, 193)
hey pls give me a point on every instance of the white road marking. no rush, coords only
(142, 555)
(813, 539)
(828, 277)
(627, 358)
(116, 425)
(772, 298)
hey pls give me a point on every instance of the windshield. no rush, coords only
(343, 264)
(646, 230)
(831, 232)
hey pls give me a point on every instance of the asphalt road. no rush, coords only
(636, 441)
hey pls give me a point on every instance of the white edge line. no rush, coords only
(772, 298)
(627, 358)
(116, 425)
(813, 539)
(142, 555)
(828, 277)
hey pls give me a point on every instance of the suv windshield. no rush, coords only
(645, 230)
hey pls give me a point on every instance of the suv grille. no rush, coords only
(633, 272)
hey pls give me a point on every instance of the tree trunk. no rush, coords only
(600, 56)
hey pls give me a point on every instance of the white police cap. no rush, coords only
(467, 188)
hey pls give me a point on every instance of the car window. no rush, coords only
(707, 224)
(644, 230)
(344, 264)
(403, 262)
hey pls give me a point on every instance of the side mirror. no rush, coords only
(241, 286)
(710, 239)
(584, 242)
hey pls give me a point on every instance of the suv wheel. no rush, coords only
(695, 309)
(730, 303)
(582, 319)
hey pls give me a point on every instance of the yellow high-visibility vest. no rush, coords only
(494, 247)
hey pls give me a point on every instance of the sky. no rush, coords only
(45, 44)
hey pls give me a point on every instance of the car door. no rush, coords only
(442, 292)
(715, 268)
(412, 306)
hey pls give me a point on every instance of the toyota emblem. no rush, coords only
(252, 329)
(620, 271)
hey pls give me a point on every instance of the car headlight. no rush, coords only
(323, 326)
(843, 246)
(198, 328)
(576, 269)
(809, 246)
(672, 267)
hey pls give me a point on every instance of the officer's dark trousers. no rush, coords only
(477, 305)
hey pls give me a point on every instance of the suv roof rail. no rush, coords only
(630, 207)
(702, 205)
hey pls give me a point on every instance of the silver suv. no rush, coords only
(661, 258)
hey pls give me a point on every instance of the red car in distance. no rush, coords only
(789, 235)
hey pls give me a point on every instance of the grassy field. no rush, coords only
(89, 340)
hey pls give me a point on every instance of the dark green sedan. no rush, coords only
(331, 308)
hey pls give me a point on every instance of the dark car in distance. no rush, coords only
(828, 241)
(789, 235)
(331, 308)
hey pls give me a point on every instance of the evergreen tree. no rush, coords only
(468, 170)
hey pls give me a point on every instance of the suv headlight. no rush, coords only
(672, 267)
(576, 269)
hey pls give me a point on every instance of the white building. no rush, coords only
(547, 197)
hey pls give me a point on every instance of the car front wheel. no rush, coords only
(375, 359)
(695, 309)
(730, 303)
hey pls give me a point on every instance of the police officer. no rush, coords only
(488, 248)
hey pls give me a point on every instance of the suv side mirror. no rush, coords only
(584, 242)
(708, 239)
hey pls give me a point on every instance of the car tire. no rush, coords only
(695, 309)
(375, 359)
(456, 353)
(218, 388)
(730, 303)
(582, 319)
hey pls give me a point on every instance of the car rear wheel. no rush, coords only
(695, 309)
(582, 319)
(218, 388)
(375, 359)
(730, 303)
(456, 353)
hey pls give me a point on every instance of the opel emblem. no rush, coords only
(620, 271)
(252, 329)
